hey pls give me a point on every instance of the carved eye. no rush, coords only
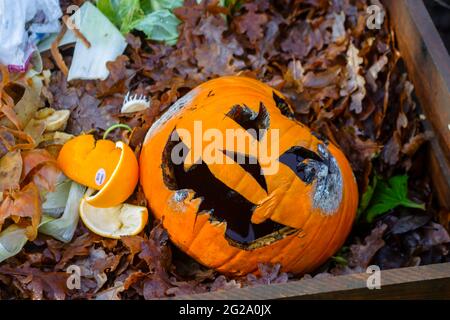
(303, 162)
(255, 123)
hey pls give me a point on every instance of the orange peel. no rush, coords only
(110, 168)
(114, 222)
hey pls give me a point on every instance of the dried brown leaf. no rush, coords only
(10, 170)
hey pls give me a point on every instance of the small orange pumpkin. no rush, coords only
(231, 216)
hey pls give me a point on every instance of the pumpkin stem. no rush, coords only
(115, 126)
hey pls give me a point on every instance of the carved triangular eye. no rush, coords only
(297, 158)
(281, 104)
(256, 124)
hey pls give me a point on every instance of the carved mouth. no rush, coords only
(221, 203)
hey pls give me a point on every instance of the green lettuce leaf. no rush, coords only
(129, 12)
(153, 17)
(155, 5)
(160, 25)
(110, 9)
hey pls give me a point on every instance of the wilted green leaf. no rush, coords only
(366, 197)
(339, 257)
(12, 240)
(160, 25)
(389, 195)
(340, 260)
(63, 228)
(55, 202)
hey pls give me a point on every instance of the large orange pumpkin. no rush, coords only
(231, 216)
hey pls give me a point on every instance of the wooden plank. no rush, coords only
(431, 281)
(440, 175)
(428, 65)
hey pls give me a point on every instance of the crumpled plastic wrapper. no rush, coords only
(23, 23)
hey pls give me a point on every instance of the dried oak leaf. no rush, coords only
(319, 80)
(186, 288)
(251, 23)
(155, 250)
(155, 287)
(112, 293)
(96, 267)
(268, 274)
(266, 47)
(355, 82)
(133, 243)
(78, 248)
(89, 115)
(409, 222)
(7, 141)
(361, 254)
(10, 170)
(222, 283)
(338, 29)
(40, 284)
(79, 97)
(359, 152)
(24, 208)
(217, 55)
(40, 167)
(374, 70)
(435, 234)
(390, 257)
(119, 75)
(156, 254)
(35, 159)
(133, 277)
(415, 142)
(391, 151)
(299, 40)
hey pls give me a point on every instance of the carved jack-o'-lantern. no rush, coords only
(295, 209)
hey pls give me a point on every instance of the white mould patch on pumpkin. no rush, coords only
(178, 200)
(173, 111)
(327, 195)
(180, 195)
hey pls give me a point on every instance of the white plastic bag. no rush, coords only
(22, 24)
